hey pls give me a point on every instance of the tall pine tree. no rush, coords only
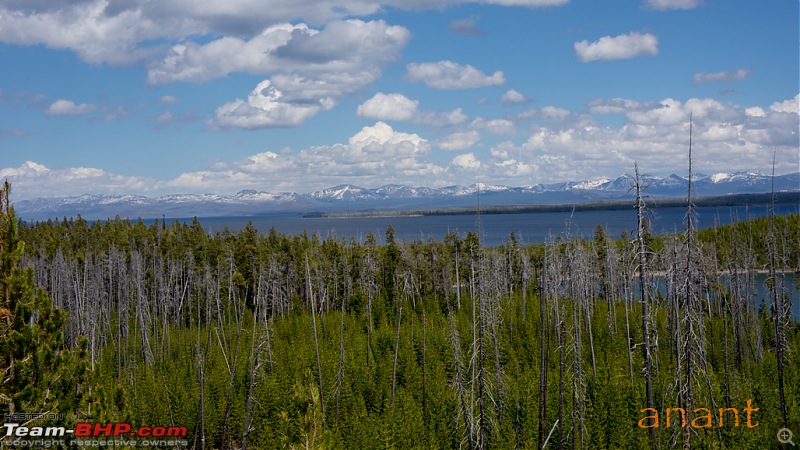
(39, 374)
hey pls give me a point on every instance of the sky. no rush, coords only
(181, 96)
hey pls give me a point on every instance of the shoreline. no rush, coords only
(737, 200)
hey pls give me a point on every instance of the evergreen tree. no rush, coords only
(39, 374)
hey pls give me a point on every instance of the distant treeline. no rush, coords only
(781, 198)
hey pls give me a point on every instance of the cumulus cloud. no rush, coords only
(388, 107)
(83, 27)
(553, 113)
(513, 96)
(494, 126)
(312, 70)
(788, 106)
(442, 118)
(168, 100)
(398, 107)
(31, 180)
(450, 75)
(265, 107)
(69, 108)
(466, 161)
(755, 111)
(717, 77)
(459, 141)
(612, 105)
(672, 4)
(373, 156)
(656, 134)
(624, 46)
(342, 46)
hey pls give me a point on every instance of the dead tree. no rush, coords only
(780, 311)
(643, 296)
(313, 307)
(543, 346)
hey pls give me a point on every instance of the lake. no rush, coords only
(495, 228)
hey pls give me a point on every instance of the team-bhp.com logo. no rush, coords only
(17, 435)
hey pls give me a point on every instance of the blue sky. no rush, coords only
(180, 96)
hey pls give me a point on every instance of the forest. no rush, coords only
(263, 340)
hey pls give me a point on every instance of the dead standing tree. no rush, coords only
(644, 297)
(692, 338)
(781, 314)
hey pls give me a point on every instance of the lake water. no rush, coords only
(788, 283)
(495, 228)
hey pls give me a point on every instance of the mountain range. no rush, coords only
(346, 197)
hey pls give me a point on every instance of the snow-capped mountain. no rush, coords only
(348, 197)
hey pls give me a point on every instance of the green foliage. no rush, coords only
(203, 299)
(39, 374)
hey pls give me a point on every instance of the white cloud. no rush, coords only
(788, 106)
(312, 70)
(31, 180)
(374, 156)
(83, 26)
(513, 96)
(612, 105)
(668, 112)
(717, 77)
(624, 46)
(265, 108)
(388, 107)
(69, 108)
(442, 118)
(672, 4)
(168, 100)
(466, 161)
(400, 108)
(553, 113)
(755, 111)
(459, 141)
(494, 126)
(450, 75)
(342, 46)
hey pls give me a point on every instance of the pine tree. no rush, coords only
(39, 374)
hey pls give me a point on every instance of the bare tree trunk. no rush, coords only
(255, 363)
(562, 365)
(543, 356)
(396, 349)
(778, 309)
(458, 366)
(643, 295)
(316, 341)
